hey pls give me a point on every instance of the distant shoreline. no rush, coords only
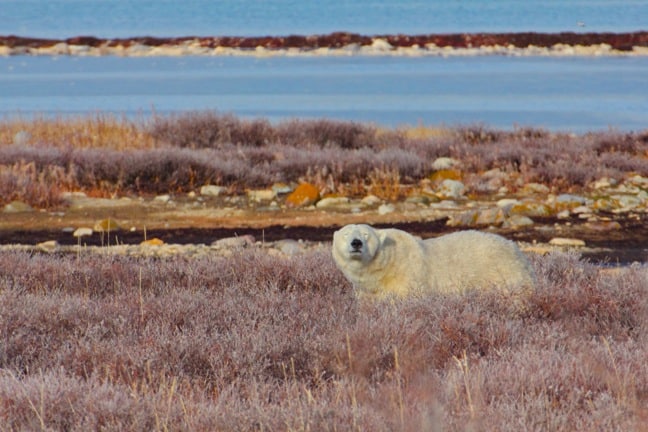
(339, 44)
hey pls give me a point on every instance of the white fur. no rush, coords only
(393, 262)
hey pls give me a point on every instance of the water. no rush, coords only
(125, 18)
(499, 91)
(576, 94)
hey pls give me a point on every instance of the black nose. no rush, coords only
(356, 243)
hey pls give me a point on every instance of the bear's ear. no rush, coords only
(382, 236)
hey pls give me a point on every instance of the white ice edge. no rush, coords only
(379, 47)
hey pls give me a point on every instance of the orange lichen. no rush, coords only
(305, 194)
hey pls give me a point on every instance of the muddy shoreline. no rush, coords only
(619, 247)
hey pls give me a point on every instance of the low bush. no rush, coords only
(255, 342)
(106, 156)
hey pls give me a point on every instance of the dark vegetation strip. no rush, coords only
(619, 41)
(610, 248)
(254, 342)
(183, 152)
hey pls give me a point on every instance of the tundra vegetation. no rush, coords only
(255, 341)
(104, 155)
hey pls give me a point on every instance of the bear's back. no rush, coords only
(473, 259)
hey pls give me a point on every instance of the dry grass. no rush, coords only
(104, 155)
(103, 131)
(254, 342)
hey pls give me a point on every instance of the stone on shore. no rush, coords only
(535, 188)
(304, 195)
(289, 247)
(234, 242)
(152, 242)
(451, 189)
(517, 221)
(212, 190)
(445, 163)
(48, 246)
(17, 207)
(332, 202)
(260, 195)
(164, 198)
(107, 225)
(566, 242)
(82, 232)
(371, 200)
(384, 209)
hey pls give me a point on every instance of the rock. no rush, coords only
(165, 198)
(571, 200)
(261, 195)
(451, 189)
(82, 232)
(439, 176)
(289, 247)
(107, 225)
(305, 194)
(638, 180)
(444, 205)
(603, 225)
(152, 242)
(418, 199)
(581, 210)
(517, 221)
(212, 190)
(371, 200)
(493, 181)
(234, 242)
(531, 209)
(386, 209)
(17, 207)
(603, 183)
(281, 188)
(490, 216)
(48, 246)
(604, 204)
(332, 202)
(626, 202)
(465, 218)
(535, 188)
(445, 163)
(507, 203)
(566, 242)
(563, 214)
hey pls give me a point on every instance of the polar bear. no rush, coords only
(391, 262)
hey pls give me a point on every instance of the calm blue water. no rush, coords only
(575, 94)
(556, 93)
(123, 18)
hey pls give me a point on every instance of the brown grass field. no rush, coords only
(254, 342)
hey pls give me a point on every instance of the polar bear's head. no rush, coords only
(356, 243)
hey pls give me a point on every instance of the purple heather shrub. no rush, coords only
(206, 147)
(254, 342)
